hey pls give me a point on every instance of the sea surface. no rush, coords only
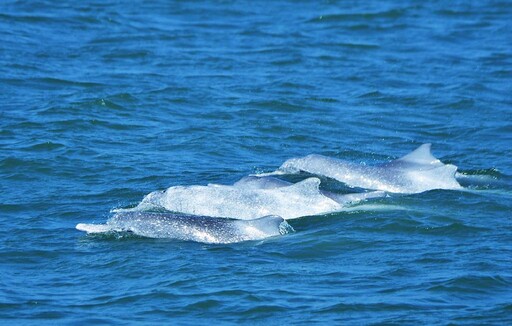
(104, 102)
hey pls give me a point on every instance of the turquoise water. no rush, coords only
(106, 102)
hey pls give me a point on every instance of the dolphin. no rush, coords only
(251, 198)
(415, 172)
(192, 228)
(243, 201)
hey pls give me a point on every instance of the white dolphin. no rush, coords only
(416, 172)
(252, 198)
(193, 228)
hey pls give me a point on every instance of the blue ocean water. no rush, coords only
(106, 101)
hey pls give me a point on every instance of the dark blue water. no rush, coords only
(104, 102)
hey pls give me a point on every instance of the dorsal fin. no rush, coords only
(307, 186)
(420, 155)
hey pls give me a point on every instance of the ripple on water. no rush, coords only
(473, 285)
(105, 102)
